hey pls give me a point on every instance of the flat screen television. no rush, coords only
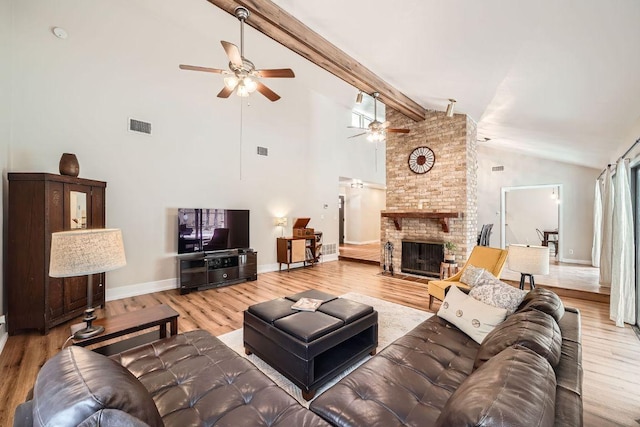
(204, 230)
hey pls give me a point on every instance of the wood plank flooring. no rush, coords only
(611, 355)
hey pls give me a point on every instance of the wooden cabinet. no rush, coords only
(40, 204)
(291, 250)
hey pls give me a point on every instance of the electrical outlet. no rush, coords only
(570, 251)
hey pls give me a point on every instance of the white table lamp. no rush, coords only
(281, 222)
(528, 260)
(84, 253)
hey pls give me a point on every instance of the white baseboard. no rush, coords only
(368, 242)
(267, 268)
(3, 337)
(167, 284)
(140, 289)
(576, 261)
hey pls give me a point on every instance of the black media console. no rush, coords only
(214, 269)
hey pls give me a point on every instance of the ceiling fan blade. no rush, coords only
(271, 95)
(397, 130)
(356, 127)
(384, 125)
(279, 72)
(233, 53)
(360, 134)
(225, 92)
(196, 68)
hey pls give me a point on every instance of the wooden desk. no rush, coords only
(134, 321)
(546, 240)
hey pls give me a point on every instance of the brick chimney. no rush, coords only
(449, 187)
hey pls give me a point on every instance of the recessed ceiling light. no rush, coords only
(60, 32)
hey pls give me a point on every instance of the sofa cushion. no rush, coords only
(406, 384)
(195, 379)
(545, 301)
(471, 316)
(470, 275)
(533, 329)
(77, 383)
(515, 388)
(491, 290)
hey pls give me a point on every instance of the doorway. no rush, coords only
(531, 214)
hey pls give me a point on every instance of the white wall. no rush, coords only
(121, 60)
(521, 170)
(5, 134)
(362, 214)
(526, 210)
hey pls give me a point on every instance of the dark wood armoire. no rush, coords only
(40, 204)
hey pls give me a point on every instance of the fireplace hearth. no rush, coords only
(422, 258)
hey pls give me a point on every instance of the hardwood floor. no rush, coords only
(611, 355)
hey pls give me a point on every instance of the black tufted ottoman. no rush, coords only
(310, 348)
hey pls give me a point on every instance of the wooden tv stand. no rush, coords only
(214, 269)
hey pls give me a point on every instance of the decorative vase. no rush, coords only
(450, 258)
(69, 165)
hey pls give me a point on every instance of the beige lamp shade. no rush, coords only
(280, 221)
(83, 252)
(528, 259)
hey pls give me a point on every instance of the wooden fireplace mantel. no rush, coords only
(442, 217)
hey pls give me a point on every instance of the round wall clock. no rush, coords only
(421, 160)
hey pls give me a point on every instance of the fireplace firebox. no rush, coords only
(422, 258)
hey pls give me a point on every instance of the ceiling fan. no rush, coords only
(242, 75)
(377, 131)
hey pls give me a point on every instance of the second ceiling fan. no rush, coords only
(376, 131)
(242, 76)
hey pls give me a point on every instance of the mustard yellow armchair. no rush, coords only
(491, 259)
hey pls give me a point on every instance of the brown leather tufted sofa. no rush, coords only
(192, 379)
(527, 372)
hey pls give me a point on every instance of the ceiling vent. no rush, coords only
(139, 126)
(263, 151)
(497, 169)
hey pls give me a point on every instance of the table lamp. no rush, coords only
(281, 222)
(84, 253)
(528, 260)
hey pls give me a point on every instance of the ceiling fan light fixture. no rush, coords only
(231, 82)
(250, 84)
(450, 107)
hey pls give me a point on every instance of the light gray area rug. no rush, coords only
(394, 321)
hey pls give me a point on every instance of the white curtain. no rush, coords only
(607, 230)
(597, 226)
(623, 296)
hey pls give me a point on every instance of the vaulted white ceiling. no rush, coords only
(555, 79)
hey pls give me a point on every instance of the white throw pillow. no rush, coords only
(471, 316)
(471, 275)
(490, 290)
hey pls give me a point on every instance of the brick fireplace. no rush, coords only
(440, 205)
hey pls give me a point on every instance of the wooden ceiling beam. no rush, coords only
(282, 27)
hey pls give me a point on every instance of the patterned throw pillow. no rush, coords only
(490, 290)
(471, 275)
(471, 316)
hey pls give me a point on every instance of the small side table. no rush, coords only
(448, 269)
(133, 321)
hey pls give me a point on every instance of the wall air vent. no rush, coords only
(139, 126)
(497, 169)
(263, 151)
(329, 249)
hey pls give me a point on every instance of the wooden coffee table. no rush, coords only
(128, 323)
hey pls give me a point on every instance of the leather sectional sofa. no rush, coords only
(526, 372)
